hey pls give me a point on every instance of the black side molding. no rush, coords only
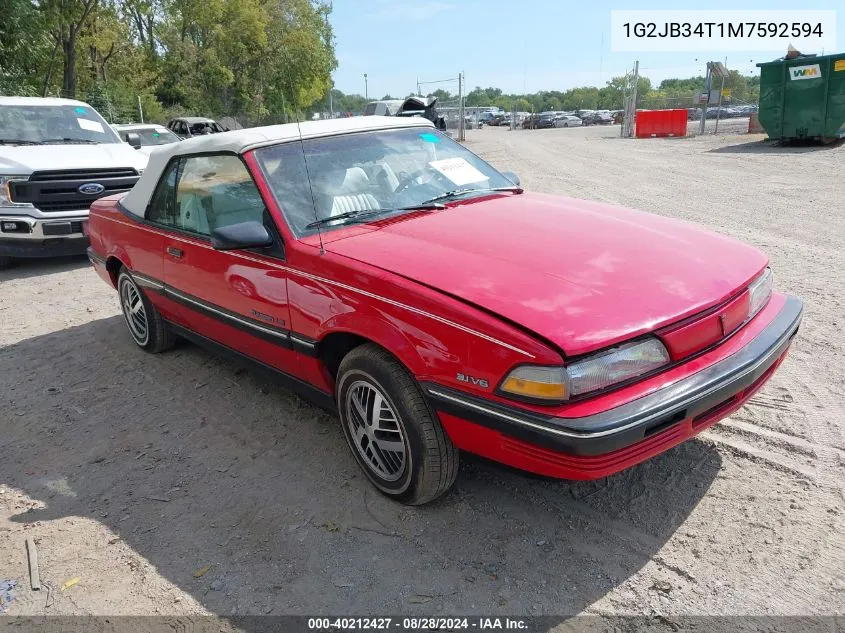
(262, 330)
(94, 257)
(305, 346)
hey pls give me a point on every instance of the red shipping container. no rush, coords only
(661, 123)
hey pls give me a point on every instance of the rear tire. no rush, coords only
(395, 437)
(146, 326)
(5, 262)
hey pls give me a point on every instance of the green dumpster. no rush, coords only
(803, 98)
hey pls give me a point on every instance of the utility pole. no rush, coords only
(719, 107)
(366, 90)
(707, 87)
(461, 124)
(631, 106)
(331, 81)
(140, 109)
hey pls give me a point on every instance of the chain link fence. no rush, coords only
(731, 117)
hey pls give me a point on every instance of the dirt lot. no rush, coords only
(180, 484)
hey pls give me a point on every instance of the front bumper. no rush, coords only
(687, 406)
(43, 235)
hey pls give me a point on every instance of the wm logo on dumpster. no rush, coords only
(805, 72)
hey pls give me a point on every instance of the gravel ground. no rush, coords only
(179, 484)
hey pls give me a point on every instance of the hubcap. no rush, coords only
(375, 430)
(133, 311)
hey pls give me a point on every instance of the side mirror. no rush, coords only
(242, 235)
(133, 139)
(512, 177)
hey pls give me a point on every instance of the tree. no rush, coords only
(65, 19)
(142, 16)
(25, 48)
(737, 85)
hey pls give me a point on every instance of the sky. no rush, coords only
(520, 47)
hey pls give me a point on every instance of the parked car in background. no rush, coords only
(486, 117)
(546, 120)
(473, 121)
(567, 120)
(425, 107)
(386, 107)
(384, 271)
(150, 135)
(530, 121)
(597, 118)
(186, 127)
(56, 157)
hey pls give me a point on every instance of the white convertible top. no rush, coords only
(240, 141)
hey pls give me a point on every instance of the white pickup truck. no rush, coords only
(56, 157)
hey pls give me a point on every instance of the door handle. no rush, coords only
(175, 252)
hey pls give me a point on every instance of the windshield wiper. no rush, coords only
(15, 141)
(69, 140)
(456, 193)
(365, 213)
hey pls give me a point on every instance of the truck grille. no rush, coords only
(53, 191)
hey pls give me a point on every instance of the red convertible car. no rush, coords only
(384, 271)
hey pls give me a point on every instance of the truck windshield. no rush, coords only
(53, 125)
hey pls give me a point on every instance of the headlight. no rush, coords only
(616, 365)
(595, 372)
(759, 292)
(5, 194)
(537, 383)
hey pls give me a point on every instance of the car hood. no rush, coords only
(25, 159)
(580, 274)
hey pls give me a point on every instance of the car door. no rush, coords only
(236, 298)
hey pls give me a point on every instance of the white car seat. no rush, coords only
(344, 190)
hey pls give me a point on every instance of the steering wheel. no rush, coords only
(408, 180)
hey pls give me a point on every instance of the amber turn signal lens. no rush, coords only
(541, 383)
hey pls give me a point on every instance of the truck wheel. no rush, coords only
(395, 437)
(5, 262)
(146, 326)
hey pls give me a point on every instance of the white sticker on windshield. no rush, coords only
(92, 126)
(458, 170)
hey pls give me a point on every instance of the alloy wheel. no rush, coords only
(376, 430)
(134, 312)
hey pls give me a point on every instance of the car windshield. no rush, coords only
(388, 172)
(53, 125)
(152, 136)
(200, 128)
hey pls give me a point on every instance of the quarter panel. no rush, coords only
(115, 234)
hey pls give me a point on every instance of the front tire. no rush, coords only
(394, 436)
(5, 262)
(146, 326)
